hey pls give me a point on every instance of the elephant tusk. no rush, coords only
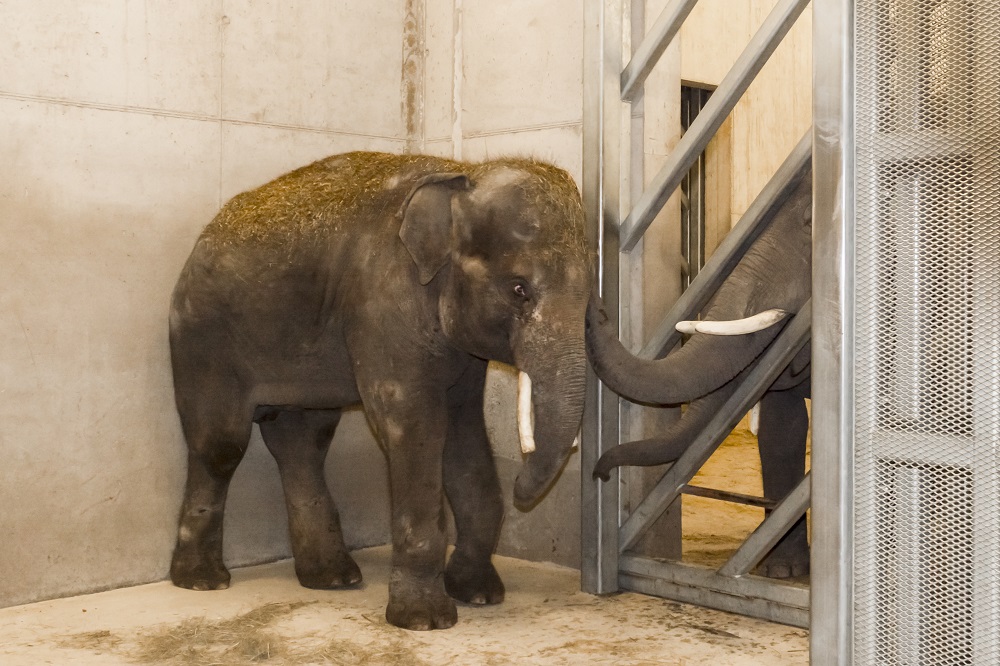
(755, 419)
(758, 322)
(525, 413)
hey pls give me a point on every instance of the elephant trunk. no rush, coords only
(669, 446)
(550, 409)
(702, 365)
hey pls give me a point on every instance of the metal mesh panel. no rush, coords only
(927, 322)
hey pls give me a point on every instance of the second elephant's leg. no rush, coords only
(784, 426)
(473, 490)
(299, 441)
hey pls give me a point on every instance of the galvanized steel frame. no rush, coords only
(606, 564)
(831, 629)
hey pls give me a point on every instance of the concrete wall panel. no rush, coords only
(441, 24)
(155, 54)
(523, 64)
(334, 65)
(97, 219)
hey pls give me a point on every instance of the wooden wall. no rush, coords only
(773, 114)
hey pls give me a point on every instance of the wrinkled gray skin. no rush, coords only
(705, 371)
(385, 280)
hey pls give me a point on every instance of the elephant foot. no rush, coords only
(476, 583)
(783, 569)
(419, 605)
(335, 572)
(199, 573)
(789, 558)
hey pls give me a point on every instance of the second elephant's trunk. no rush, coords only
(699, 367)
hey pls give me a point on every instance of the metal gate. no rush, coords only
(609, 536)
(906, 356)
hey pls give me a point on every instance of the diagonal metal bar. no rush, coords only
(771, 364)
(728, 496)
(732, 248)
(775, 27)
(769, 532)
(746, 595)
(656, 41)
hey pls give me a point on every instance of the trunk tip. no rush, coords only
(532, 484)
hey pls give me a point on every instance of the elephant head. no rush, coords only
(772, 281)
(504, 244)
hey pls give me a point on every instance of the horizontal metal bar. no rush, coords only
(728, 496)
(771, 364)
(775, 27)
(769, 532)
(656, 41)
(733, 247)
(787, 603)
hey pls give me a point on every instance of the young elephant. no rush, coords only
(386, 280)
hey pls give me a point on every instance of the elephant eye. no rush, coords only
(521, 289)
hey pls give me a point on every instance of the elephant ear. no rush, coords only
(426, 221)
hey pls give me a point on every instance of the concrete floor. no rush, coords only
(267, 618)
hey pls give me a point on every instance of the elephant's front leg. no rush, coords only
(784, 426)
(473, 490)
(411, 423)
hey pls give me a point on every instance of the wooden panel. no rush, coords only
(776, 110)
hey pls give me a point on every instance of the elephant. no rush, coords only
(389, 281)
(771, 281)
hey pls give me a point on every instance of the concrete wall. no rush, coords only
(126, 125)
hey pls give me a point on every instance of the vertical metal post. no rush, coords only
(603, 120)
(831, 630)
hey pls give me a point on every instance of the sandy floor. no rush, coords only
(267, 618)
(713, 530)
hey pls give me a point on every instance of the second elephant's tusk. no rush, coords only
(758, 322)
(525, 413)
(755, 419)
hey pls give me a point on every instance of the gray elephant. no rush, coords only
(771, 281)
(386, 280)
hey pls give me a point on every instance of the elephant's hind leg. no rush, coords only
(473, 490)
(299, 441)
(217, 440)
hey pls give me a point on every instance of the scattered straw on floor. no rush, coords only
(245, 640)
(96, 641)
